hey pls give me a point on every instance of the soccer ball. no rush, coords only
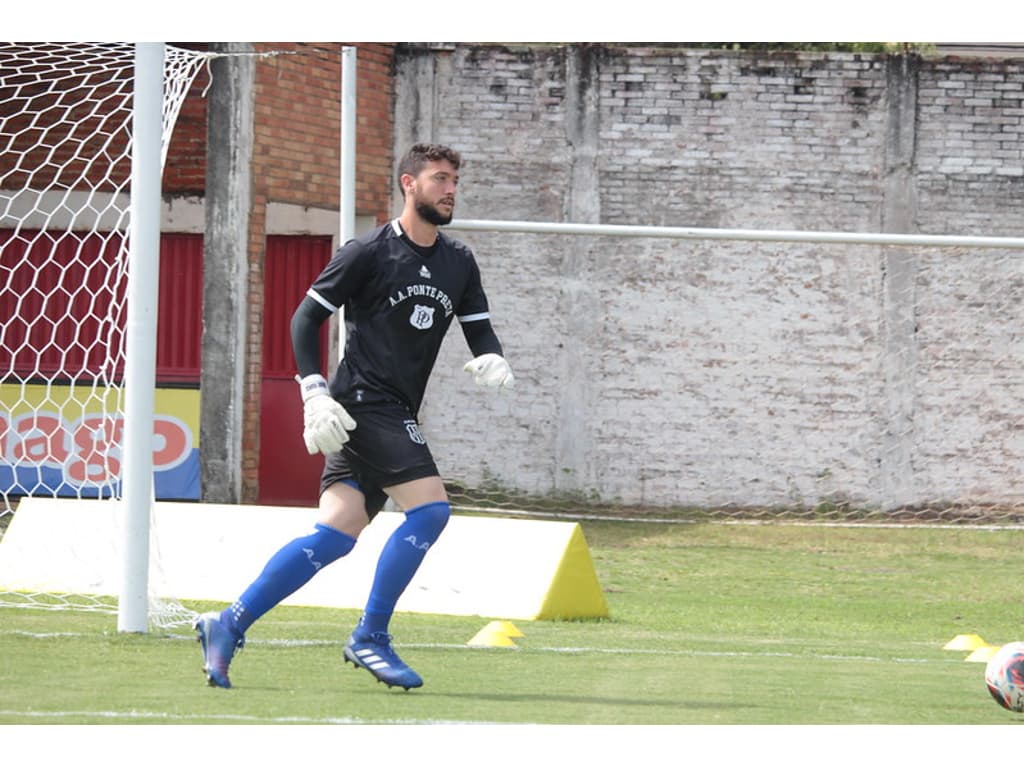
(1004, 676)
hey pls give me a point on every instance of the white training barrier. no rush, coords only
(481, 566)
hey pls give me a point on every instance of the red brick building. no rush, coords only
(295, 165)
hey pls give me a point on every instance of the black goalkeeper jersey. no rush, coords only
(399, 302)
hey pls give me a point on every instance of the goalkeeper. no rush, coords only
(400, 286)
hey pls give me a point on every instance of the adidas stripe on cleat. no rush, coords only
(375, 655)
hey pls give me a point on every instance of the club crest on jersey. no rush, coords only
(414, 432)
(422, 317)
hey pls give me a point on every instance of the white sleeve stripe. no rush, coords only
(321, 300)
(477, 316)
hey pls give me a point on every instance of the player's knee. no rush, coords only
(433, 516)
(330, 543)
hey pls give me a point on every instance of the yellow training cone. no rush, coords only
(964, 643)
(494, 635)
(510, 629)
(983, 653)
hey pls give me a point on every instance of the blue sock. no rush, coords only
(399, 560)
(294, 564)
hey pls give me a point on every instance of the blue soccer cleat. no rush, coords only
(375, 654)
(219, 647)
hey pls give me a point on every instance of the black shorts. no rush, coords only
(386, 448)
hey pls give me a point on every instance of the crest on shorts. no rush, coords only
(422, 317)
(414, 432)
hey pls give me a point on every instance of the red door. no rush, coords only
(288, 475)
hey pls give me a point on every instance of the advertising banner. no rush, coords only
(65, 440)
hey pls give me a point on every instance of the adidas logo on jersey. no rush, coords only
(424, 272)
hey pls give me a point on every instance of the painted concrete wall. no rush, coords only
(709, 373)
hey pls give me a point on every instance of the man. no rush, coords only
(400, 286)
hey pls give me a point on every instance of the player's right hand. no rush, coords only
(327, 423)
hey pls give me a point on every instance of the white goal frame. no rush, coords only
(140, 335)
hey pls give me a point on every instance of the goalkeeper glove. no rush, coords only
(491, 370)
(327, 424)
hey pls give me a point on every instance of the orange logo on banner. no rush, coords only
(89, 450)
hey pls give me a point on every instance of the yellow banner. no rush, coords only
(67, 440)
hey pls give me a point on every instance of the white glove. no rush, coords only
(491, 370)
(327, 424)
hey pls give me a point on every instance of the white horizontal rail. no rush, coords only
(696, 233)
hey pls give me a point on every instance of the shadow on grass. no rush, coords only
(660, 704)
(559, 698)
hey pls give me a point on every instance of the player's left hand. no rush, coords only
(491, 370)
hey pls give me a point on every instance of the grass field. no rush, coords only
(710, 625)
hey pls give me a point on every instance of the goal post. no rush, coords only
(140, 341)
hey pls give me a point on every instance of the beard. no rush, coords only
(431, 215)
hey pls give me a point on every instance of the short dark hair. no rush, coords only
(421, 154)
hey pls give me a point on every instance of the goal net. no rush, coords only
(65, 175)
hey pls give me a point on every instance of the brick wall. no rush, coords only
(708, 373)
(298, 127)
(297, 161)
